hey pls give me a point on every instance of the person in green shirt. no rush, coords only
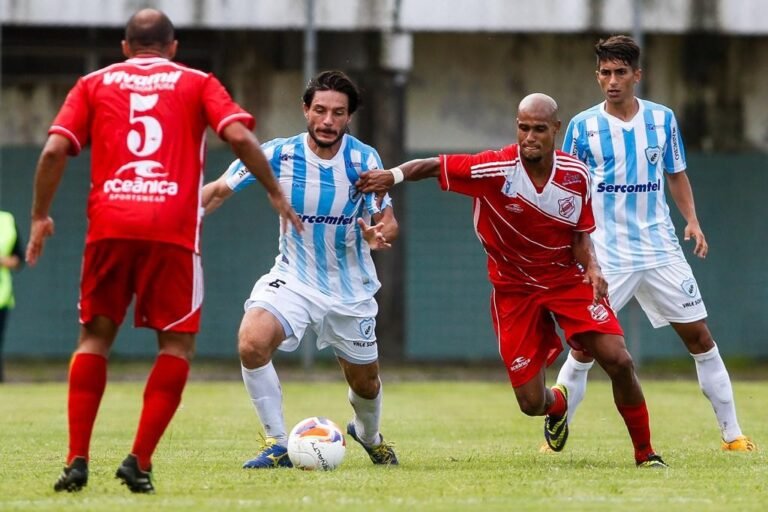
(11, 258)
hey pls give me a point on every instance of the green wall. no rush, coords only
(446, 292)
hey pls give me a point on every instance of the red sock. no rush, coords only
(87, 380)
(638, 425)
(558, 407)
(162, 396)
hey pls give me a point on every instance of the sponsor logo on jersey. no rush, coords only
(675, 144)
(141, 181)
(632, 188)
(567, 206)
(366, 327)
(653, 154)
(689, 286)
(156, 81)
(571, 178)
(286, 156)
(514, 208)
(598, 312)
(519, 363)
(333, 220)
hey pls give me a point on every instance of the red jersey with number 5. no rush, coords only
(145, 119)
(526, 231)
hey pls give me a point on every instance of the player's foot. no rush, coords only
(383, 453)
(556, 427)
(544, 448)
(653, 461)
(74, 477)
(134, 478)
(740, 444)
(272, 455)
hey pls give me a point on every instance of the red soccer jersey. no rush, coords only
(527, 233)
(146, 119)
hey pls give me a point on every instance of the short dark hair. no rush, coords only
(333, 81)
(149, 28)
(621, 48)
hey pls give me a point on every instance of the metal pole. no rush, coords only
(310, 65)
(638, 34)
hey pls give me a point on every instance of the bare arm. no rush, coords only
(682, 194)
(50, 168)
(215, 193)
(584, 254)
(246, 146)
(414, 170)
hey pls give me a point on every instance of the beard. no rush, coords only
(532, 159)
(324, 144)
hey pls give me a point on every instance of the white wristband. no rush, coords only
(397, 174)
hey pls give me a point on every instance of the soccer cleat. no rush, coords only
(74, 477)
(556, 427)
(740, 444)
(383, 453)
(134, 478)
(272, 455)
(653, 461)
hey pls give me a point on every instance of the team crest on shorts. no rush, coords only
(689, 286)
(366, 327)
(653, 154)
(598, 312)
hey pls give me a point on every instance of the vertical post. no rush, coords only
(310, 65)
(638, 34)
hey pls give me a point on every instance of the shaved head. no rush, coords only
(149, 28)
(540, 104)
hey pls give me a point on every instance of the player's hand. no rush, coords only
(594, 276)
(373, 235)
(693, 230)
(287, 214)
(40, 229)
(375, 181)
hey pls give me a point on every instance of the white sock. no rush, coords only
(263, 387)
(573, 375)
(716, 385)
(367, 417)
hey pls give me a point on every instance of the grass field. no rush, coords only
(462, 446)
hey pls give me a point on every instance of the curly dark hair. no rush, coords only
(333, 81)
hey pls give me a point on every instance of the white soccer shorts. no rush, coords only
(350, 329)
(666, 294)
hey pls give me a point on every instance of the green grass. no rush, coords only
(462, 446)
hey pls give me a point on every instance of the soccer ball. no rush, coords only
(316, 443)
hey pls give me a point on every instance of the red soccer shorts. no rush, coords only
(167, 280)
(525, 329)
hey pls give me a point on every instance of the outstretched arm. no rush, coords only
(215, 193)
(682, 194)
(584, 254)
(50, 168)
(246, 146)
(414, 170)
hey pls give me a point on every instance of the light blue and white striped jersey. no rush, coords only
(627, 160)
(330, 256)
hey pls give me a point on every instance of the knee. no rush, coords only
(366, 386)
(254, 352)
(619, 365)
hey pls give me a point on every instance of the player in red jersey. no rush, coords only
(533, 215)
(145, 119)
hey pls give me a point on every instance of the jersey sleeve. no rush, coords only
(220, 109)
(570, 139)
(238, 176)
(73, 119)
(471, 175)
(674, 152)
(374, 162)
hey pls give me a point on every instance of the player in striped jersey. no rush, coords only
(323, 277)
(533, 215)
(631, 146)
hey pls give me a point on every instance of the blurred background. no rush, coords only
(437, 76)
